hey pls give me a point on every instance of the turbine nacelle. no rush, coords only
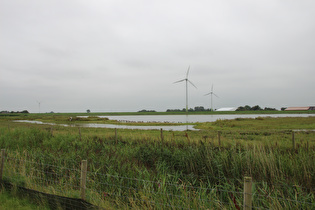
(186, 79)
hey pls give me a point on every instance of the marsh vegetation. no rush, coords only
(210, 163)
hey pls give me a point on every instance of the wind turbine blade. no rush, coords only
(212, 88)
(192, 83)
(187, 72)
(207, 94)
(179, 81)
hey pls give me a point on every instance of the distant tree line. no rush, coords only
(241, 108)
(143, 110)
(254, 108)
(196, 109)
(202, 109)
(12, 112)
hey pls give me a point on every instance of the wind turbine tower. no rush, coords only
(38, 106)
(211, 93)
(187, 81)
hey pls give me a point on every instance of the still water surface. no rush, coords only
(194, 118)
(95, 125)
(166, 118)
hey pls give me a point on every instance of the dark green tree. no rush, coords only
(256, 108)
(241, 108)
(247, 107)
(199, 109)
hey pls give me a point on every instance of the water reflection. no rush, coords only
(95, 125)
(166, 119)
(166, 127)
(193, 118)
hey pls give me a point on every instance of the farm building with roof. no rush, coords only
(226, 109)
(304, 108)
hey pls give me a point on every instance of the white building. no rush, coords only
(226, 109)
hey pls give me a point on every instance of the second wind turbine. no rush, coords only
(186, 80)
(211, 93)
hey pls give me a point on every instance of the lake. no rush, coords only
(96, 125)
(194, 118)
(166, 118)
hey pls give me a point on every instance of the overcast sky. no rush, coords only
(121, 55)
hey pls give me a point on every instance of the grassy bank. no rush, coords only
(212, 166)
(12, 201)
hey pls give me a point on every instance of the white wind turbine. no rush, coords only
(38, 106)
(211, 93)
(187, 80)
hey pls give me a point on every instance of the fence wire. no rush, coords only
(134, 192)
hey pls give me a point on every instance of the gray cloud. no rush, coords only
(125, 55)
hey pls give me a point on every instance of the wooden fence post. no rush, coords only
(247, 193)
(80, 134)
(293, 140)
(2, 163)
(219, 138)
(186, 134)
(116, 136)
(83, 178)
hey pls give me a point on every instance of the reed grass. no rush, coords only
(11, 201)
(194, 160)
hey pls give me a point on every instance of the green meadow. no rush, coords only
(174, 169)
(10, 201)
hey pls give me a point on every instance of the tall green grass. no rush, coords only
(184, 160)
(12, 201)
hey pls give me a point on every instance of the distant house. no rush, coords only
(304, 108)
(226, 109)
